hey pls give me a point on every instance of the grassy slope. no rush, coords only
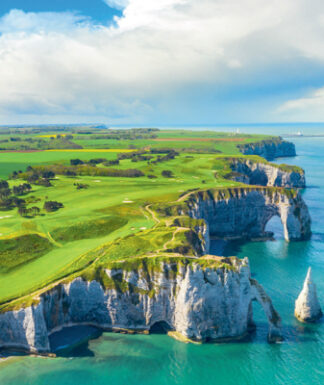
(87, 212)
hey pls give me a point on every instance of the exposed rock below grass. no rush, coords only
(269, 149)
(266, 174)
(201, 299)
(245, 212)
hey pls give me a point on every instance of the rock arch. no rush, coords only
(244, 212)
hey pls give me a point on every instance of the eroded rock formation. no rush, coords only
(266, 174)
(244, 212)
(202, 299)
(269, 149)
(307, 306)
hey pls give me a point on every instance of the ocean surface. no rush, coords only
(157, 359)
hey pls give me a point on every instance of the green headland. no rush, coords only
(75, 200)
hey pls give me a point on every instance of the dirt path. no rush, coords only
(152, 213)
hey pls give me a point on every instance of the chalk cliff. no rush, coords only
(201, 299)
(252, 172)
(269, 149)
(307, 306)
(244, 212)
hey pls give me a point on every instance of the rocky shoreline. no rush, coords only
(203, 299)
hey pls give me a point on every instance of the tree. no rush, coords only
(3, 184)
(167, 174)
(22, 211)
(35, 210)
(48, 174)
(5, 193)
(18, 202)
(51, 206)
(33, 178)
(44, 182)
(76, 162)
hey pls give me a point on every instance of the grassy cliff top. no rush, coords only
(113, 218)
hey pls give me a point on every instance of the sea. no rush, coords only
(87, 356)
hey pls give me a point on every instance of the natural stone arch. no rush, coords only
(244, 212)
(273, 221)
(274, 321)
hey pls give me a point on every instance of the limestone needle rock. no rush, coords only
(307, 307)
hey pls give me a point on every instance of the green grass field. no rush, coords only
(111, 220)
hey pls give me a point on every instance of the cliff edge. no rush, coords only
(269, 149)
(203, 299)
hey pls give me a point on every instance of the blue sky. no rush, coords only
(96, 9)
(161, 62)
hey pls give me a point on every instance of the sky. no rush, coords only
(161, 62)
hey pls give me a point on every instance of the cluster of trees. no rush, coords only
(113, 162)
(28, 212)
(138, 156)
(51, 206)
(91, 162)
(80, 169)
(132, 134)
(170, 155)
(130, 155)
(55, 142)
(34, 177)
(9, 198)
(22, 189)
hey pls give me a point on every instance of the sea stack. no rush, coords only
(307, 307)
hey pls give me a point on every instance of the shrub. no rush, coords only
(81, 186)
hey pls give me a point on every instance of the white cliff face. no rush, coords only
(200, 303)
(244, 212)
(307, 306)
(263, 174)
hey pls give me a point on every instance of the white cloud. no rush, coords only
(19, 21)
(308, 108)
(118, 4)
(62, 65)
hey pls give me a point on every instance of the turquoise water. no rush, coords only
(157, 359)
